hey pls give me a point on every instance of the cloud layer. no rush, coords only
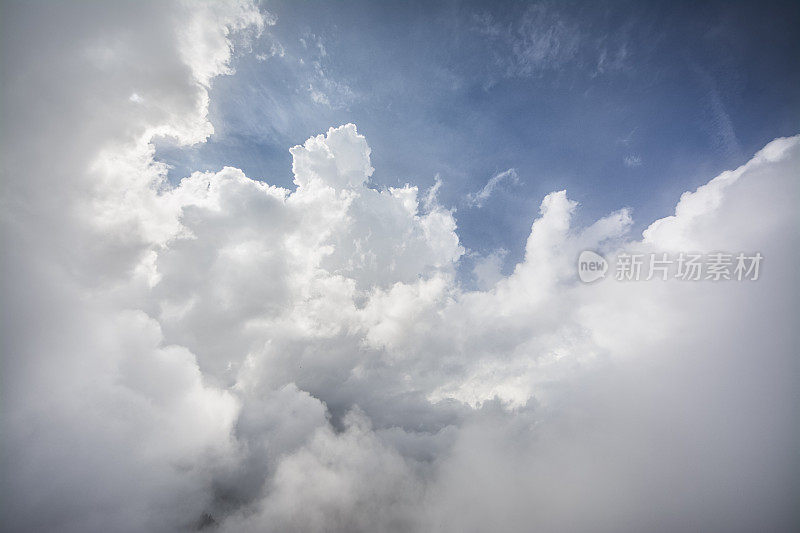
(228, 353)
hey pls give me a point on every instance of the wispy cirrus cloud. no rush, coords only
(547, 38)
(477, 199)
(632, 161)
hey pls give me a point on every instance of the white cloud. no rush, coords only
(307, 359)
(717, 121)
(276, 49)
(488, 269)
(477, 199)
(542, 39)
(632, 161)
(318, 96)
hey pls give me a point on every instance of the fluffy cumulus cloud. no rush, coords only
(227, 354)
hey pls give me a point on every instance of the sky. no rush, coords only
(314, 266)
(623, 104)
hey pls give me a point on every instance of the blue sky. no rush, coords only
(621, 104)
